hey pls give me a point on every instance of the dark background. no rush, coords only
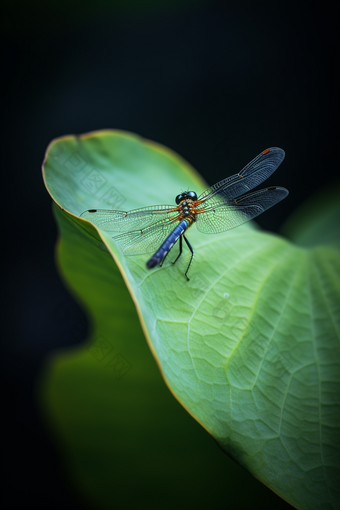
(216, 82)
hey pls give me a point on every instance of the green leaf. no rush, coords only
(250, 346)
(317, 220)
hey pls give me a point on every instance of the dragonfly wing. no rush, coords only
(229, 215)
(121, 221)
(253, 174)
(147, 240)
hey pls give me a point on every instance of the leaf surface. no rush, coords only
(249, 346)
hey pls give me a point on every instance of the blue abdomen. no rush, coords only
(168, 244)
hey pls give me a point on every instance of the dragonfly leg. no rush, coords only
(192, 255)
(165, 256)
(180, 250)
(161, 262)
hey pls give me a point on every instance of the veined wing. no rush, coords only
(123, 221)
(232, 213)
(146, 240)
(253, 174)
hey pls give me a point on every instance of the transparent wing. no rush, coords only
(253, 174)
(232, 213)
(121, 221)
(147, 240)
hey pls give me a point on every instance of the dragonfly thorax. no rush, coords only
(187, 211)
(186, 194)
(186, 202)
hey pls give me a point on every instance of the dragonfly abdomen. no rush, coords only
(168, 244)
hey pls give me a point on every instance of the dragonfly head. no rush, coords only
(186, 194)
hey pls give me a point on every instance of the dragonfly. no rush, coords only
(224, 206)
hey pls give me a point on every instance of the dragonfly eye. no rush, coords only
(192, 195)
(186, 194)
